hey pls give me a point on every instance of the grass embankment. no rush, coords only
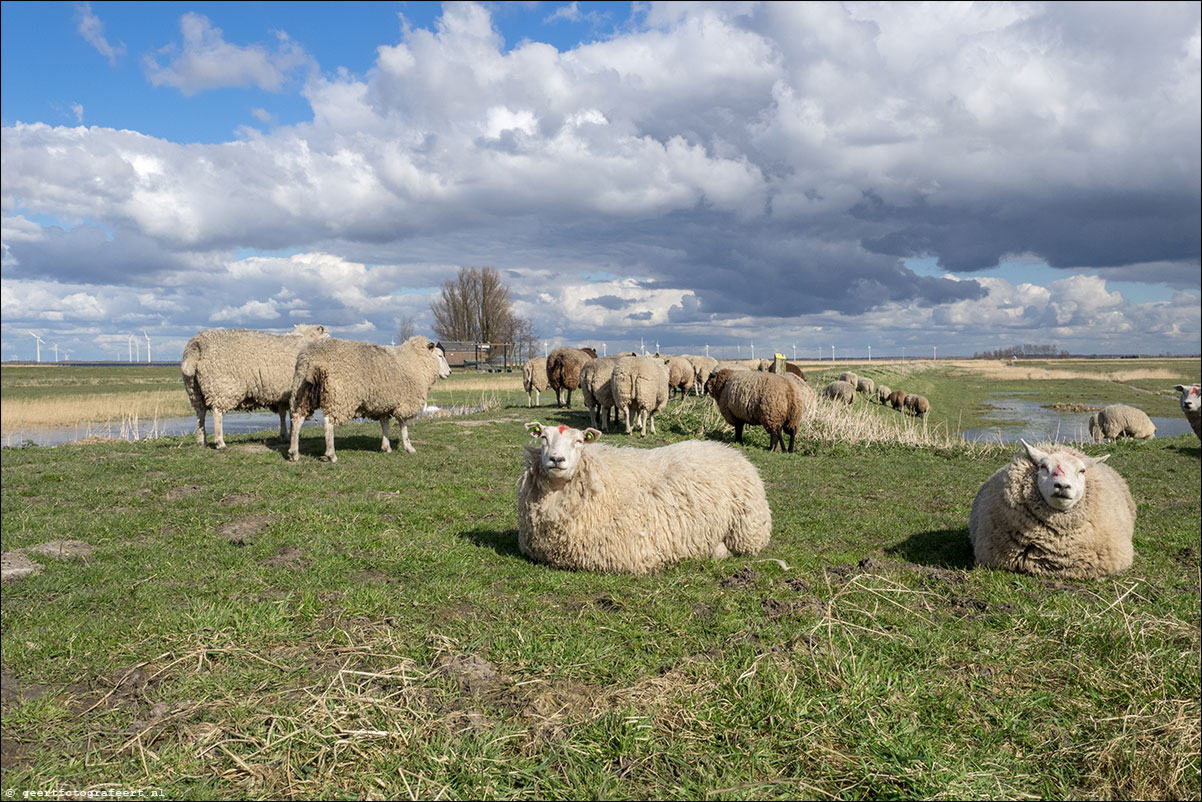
(247, 627)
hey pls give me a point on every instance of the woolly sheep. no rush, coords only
(1120, 420)
(680, 374)
(703, 366)
(918, 405)
(840, 391)
(1055, 513)
(849, 377)
(789, 368)
(534, 379)
(882, 394)
(350, 379)
(897, 399)
(563, 371)
(590, 507)
(594, 387)
(865, 386)
(639, 384)
(761, 399)
(743, 364)
(1191, 405)
(239, 369)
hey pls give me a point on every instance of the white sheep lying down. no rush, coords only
(348, 379)
(584, 506)
(1055, 513)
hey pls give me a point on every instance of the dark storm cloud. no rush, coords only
(88, 255)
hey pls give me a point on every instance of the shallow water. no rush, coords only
(1030, 421)
(231, 423)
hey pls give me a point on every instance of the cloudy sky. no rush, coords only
(894, 176)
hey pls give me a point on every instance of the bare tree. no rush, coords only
(406, 328)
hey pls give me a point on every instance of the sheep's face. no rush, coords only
(1191, 400)
(561, 448)
(444, 368)
(1060, 475)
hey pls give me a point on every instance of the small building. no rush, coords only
(478, 356)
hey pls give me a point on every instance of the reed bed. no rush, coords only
(98, 410)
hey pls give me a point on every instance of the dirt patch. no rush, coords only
(176, 493)
(242, 532)
(873, 565)
(1187, 556)
(779, 608)
(15, 565)
(384, 493)
(62, 549)
(13, 694)
(472, 672)
(251, 448)
(288, 557)
(374, 577)
(743, 578)
(238, 499)
(477, 422)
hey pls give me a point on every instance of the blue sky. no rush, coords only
(950, 176)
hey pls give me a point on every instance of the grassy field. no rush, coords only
(244, 627)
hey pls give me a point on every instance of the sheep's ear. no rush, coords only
(1179, 388)
(591, 435)
(535, 428)
(430, 346)
(1098, 460)
(1033, 453)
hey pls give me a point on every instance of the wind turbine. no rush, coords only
(131, 348)
(832, 352)
(753, 349)
(604, 352)
(37, 345)
(794, 352)
(870, 353)
(933, 347)
(707, 349)
(56, 352)
(147, 336)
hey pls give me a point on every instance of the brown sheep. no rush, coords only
(761, 399)
(918, 405)
(563, 371)
(897, 399)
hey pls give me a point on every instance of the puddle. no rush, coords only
(1030, 421)
(232, 423)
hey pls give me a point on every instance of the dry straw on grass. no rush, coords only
(100, 410)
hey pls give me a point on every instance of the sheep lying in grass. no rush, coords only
(563, 371)
(760, 399)
(639, 384)
(882, 394)
(238, 369)
(534, 379)
(1120, 420)
(349, 379)
(1055, 513)
(584, 506)
(840, 391)
(1191, 405)
(897, 399)
(917, 405)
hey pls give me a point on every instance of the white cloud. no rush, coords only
(206, 61)
(92, 29)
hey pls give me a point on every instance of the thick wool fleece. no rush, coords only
(1012, 527)
(534, 378)
(840, 390)
(563, 371)
(634, 510)
(1120, 420)
(762, 399)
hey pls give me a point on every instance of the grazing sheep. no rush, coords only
(703, 366)
(865, 386)
(840, 391)
(534, 379)
(849, 377)
(789, 368)
(1120, 420)
(760, 399)
(680, 374)
(743, 364)
(563, 371)
(897, 399)
(238, 369)
(1055, 513)
(1191, 405)
(595, 388)
(639, 383)
(589, 507)
(349, 379)
(882, 394)
(918, 405)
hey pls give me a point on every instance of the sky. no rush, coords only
(902, 177)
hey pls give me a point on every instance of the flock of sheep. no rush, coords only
(586, 506)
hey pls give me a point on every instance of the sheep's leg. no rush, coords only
(330, 455)
(569, 404)
(283, 422)
(218, 436)
(385, 446)
(626, 414)
(739, 432)
(294, 448)
(642, 423)
(405, 438)
(720, 551)
(200, 426)
(792, 436)
(558, 397)
(653, 424)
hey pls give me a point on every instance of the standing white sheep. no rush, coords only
(348, 379)
(1120, 420)
(583, 506)
(1055, 513)
(1191, 405)
(639, 384)
(534, 379)
(239, 369)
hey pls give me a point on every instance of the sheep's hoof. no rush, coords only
(330, 457)
(219, 446)
(293, 456)
(410, 450)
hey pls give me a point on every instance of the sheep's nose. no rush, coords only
(554, 460)
(1062, 486)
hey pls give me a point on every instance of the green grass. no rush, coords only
(251, 628)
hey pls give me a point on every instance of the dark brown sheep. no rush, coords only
(563, 371)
